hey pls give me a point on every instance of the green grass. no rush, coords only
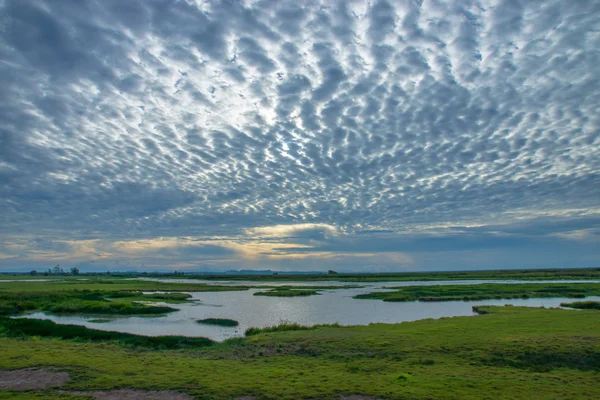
(520, 274)
(218, 321)
(114, 285)
(287, 292)
(533, 274)
(583, 305)
(486, 292)
(76, 302)
(25, 327)
(508, 353)
(171, 298)
(283, 327)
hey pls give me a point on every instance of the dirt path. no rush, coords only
(127, 394)
(32, 378)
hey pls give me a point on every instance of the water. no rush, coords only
(260, 311)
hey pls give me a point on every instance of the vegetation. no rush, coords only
(515, 274)
(288, 292)
(78, 301)
(285, 326)
(24, 327)
(113, 285)
(583, 305)
(508, 353)
(486, 292)
(173, 298)
(218, 321)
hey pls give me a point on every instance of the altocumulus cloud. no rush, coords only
(386, 135)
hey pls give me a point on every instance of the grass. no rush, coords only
(486, 292)
(219, 322)
(517, 274)
(283, 327)
(507, 353)
(114, 285)
(25, 327)
(288, 292)
(77, 302)
(171, 298)
(583, 305)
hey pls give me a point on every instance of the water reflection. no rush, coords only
(260, 311)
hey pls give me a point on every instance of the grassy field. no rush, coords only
(507, 353)
(486, 291)
(104, 284)
(532, 274)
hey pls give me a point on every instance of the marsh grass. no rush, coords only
(485, 292)
(25, 327)
(583, 305)
(219, 321)
(517, 274)
(509, 353)
(75, 301)
(286, 326)
(114, 285)
(288, 292)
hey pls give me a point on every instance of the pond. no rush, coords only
(259, 311)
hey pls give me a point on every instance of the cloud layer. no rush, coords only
(300, 134)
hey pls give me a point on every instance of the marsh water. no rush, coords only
(333, 305)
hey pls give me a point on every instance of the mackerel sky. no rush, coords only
(299, 135)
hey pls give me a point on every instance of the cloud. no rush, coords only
(299, 131)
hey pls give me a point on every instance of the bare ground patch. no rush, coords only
(128, 394)
(32, 378)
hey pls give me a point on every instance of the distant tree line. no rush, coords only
(56, 271)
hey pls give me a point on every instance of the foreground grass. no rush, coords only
(486, 291)
(508, 353)
(287, 292)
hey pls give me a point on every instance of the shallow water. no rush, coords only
(259, 311)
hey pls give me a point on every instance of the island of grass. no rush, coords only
(485, 291)
(286, 326)
(218, 321)
(80, 302)
(507, 353)
(583, 305)
(171, 298)
(288, 292)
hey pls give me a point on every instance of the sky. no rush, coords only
(371, 136)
